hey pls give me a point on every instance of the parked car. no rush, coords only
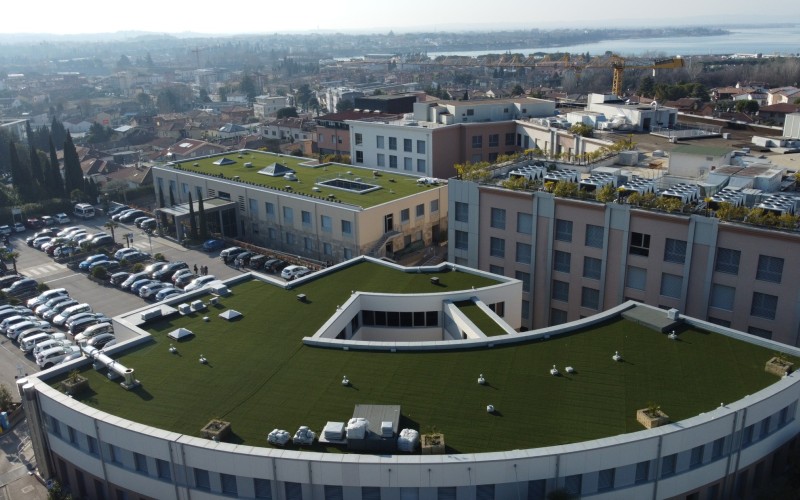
(91, 259)
(13, 320)
(56, 309)
(45, 232)
(275, 265)
(181, 272)
(155, 266)
(136, 286)
(119, 214)
(116, 279)
(47, 220)
(31, 223)
(108, 264)
(102, 241)
(22, 287)
(137, 256)
(51, 357)
(229, 254)
(67, 230)
(166, 272)
(138, 220)
(45, 296)
(243, 258)
(257, 262)
(50, 304)
(95, 330)
(117, 209)
(293, 272)
(6, 230)
(101, 340)
(38, 242)
(65, 251)
(131, 216)
(168, 292)
(100, 317)
(82, 238)
(64, 315)
(15, 311)
(149, 224)
(185, 279)
(62, 218)
(15, 329)
(126, 285)
(213, 245)
(122, 252)
(49, 344)
(21, 228)
(198, 283)
(82, 324)
(30, 342)
(149, 290)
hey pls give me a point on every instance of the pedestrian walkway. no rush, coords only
(43, 270)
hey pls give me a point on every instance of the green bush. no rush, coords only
(159, 257)
(42, 287)
(137, 268)
(100, 273)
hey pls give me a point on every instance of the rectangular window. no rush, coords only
(563, 230)
(764, 428)
(272, 233)
(510, 139)
(422, 166)
(347, 254)
(561, 261)
(201, 479)
(253, 205)
(381, 160)
(525, 278)
(696, 458)
(572, 484)
(379, 141)
(162, 467)
(636, 278)
(590, 298)
(55, 426)
(640, 244)
(524, 223)
(594, 236)
(557, 317)
(290, 238)
(671, 285)
(140, 462)
(494, 140)
(326, 222)
(642, 472)
(392, 161)
(393, 143)
(462, 241)
(404, 215)
(747, 437)
(333, 492)
(420, 209)
(288, 215)
(114, 454)
(359, 139)
(408, 145)
(769, 268)
(374, 493)
(668, 464)
(292, 491)
(359, 156)
(592, 268)
(727, 261)
(92, 443)
(434, 206)
(605, 480)
(228, 484)
(477, 141)
(764, 305)
(347, 227)
(497, 247)
(718, 448)
(759, 332)
(327, 249)
(722, 297)
(497, 269)
(73, 439)
(498, 218)
(269, 208)
(524, 252)
(675, 251)
(307, 244)
(305, 217)
(421, 147)
(262, 488)
(561, 290)
(461, 212)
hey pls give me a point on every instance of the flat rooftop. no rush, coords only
(261, 376)
(391, 186)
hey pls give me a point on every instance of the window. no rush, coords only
(408, 145)
(461, 212)
(590, 298)
(524, 253)
(270, 209)
(717, 448)
(573, 484)
(668, 465)
(288, 215)
(640, 244)
(764, 428)
(92, 443)
(636, 278)
(114, 454)
(642, 472)
(561, 261)
(671, 285)
(326, 222)
(764, 305)
(524, 223)
(262, 488)
(162, 467)
(290, 238)
(526, 309)
(347, 254)
(759, 332)
(477, 141)
(422, 165)
(769, 268)
(373, 493)
(605, 480)
(719, 321)
(73, 439)
(727, 261)
(347, 227)
(722, 297)
(381, 160)
(498, 218)
(392, 161)
(408, 164)
(333, 492)
(55, 426)
(434, 206)
(379, 142)
(305, 216)
(359, 139)
(327, 249)
(557, 317)
(307, 244)
(404, 215)
(510, 139)
(675, 251)
(497, 247)
(747, 437)
(594, 236)
(470, 112)
(359, 156)
(228, 484)
(592, 268)
(272, 233)
(494, 140)
(421, 147)
(393, 143)
(696, 458)
(462, 241)
(293, 491)
(560, 290)
(420, 209)
(525, 278)
(496, 269)
(563, 230)
(201, 479)
(140, 462)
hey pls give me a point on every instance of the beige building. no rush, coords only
(579, 257)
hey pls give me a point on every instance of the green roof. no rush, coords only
(260, 375)
(485, 324)
(691, 149)
(391, 185)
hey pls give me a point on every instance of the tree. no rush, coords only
(582, 129)
(517, 90)
(202, 215)
(124, 62)
(53, 180)
(749, 107)
(192, 221)
(20, 175)
(248, 87)
(73, 175)
(287, 113)
(646, 86)
(606, 194)
(111, 226)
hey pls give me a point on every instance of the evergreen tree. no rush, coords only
(58, 132)
(21, 176)
(37, 173)
(192, 221)
(202, 216)
(29, 135)
(53, 180)
(73, 175)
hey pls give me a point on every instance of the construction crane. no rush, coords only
(619, 65)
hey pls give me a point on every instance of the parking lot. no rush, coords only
(108, 300)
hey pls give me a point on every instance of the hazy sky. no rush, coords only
(265, 16)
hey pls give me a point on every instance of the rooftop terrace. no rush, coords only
(261, 376)
(390, 186)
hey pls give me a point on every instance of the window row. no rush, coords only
(408, 144)
(408, 163)
(769, 268)
(416, 319)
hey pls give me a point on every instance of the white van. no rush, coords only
(83, 211)
(32, 341)
(49, 344)
(94, 331)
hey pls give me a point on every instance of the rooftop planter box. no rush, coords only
(433, 444)
(217, 430)
(74, 383)
(652, 417)
(778, 365)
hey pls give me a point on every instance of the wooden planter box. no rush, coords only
(433, 444)
(74, 387)
(644, 417)
(778, 366)
(218, 430)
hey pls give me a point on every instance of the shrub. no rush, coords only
(159, 257)
(5, 398)
(100, 273)
(137, 268)
(42, 287)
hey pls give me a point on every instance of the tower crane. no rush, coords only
(619, 65)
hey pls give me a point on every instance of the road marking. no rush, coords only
(44, 269)
(62, 278)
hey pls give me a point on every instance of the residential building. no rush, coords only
(388, 103)
(639, 117)
(191, 148)
(267, 105)
(332, 133)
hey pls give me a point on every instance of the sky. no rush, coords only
(373, 16)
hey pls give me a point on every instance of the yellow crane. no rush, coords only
(619, 65)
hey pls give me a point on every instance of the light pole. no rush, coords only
(149, 241)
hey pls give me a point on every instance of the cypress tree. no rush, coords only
(58, 132)
(202, 216)
(192, 221)
(21, 176)
(73, 175)
(53, 179)
(36, 167)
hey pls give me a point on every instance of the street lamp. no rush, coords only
(149, 241)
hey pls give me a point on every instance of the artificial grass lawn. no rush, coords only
(393, 186)
(260, 376)
(487, 325)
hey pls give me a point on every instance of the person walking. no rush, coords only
(195, 269)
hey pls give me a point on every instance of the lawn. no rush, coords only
(393, 186)
(487, 325)
(261, 376)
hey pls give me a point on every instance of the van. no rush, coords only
(94, 331)
(83, 211)
(32, 341)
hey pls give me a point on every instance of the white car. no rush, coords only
(62, 317)
(14, 330)
(292, 272)
(94, 331)
(32, 341)
(45, 296)
(61, 218)
(56, 355)
(198, 283)
(124, 252)
(49, 344)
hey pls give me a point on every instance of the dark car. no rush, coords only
(165, 273)
(185, 280)
(155, 266)
(275, 265)
(103, 241)
(116, 279)
(243, 258)
(22, 287)
(34, 223)
(7, 281)
(117, 209)
(257, 261)
(213, 245)
(131, 216)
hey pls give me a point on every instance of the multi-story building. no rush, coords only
(325, 212)
(578, 257)
(266, 105)
(333, 132)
